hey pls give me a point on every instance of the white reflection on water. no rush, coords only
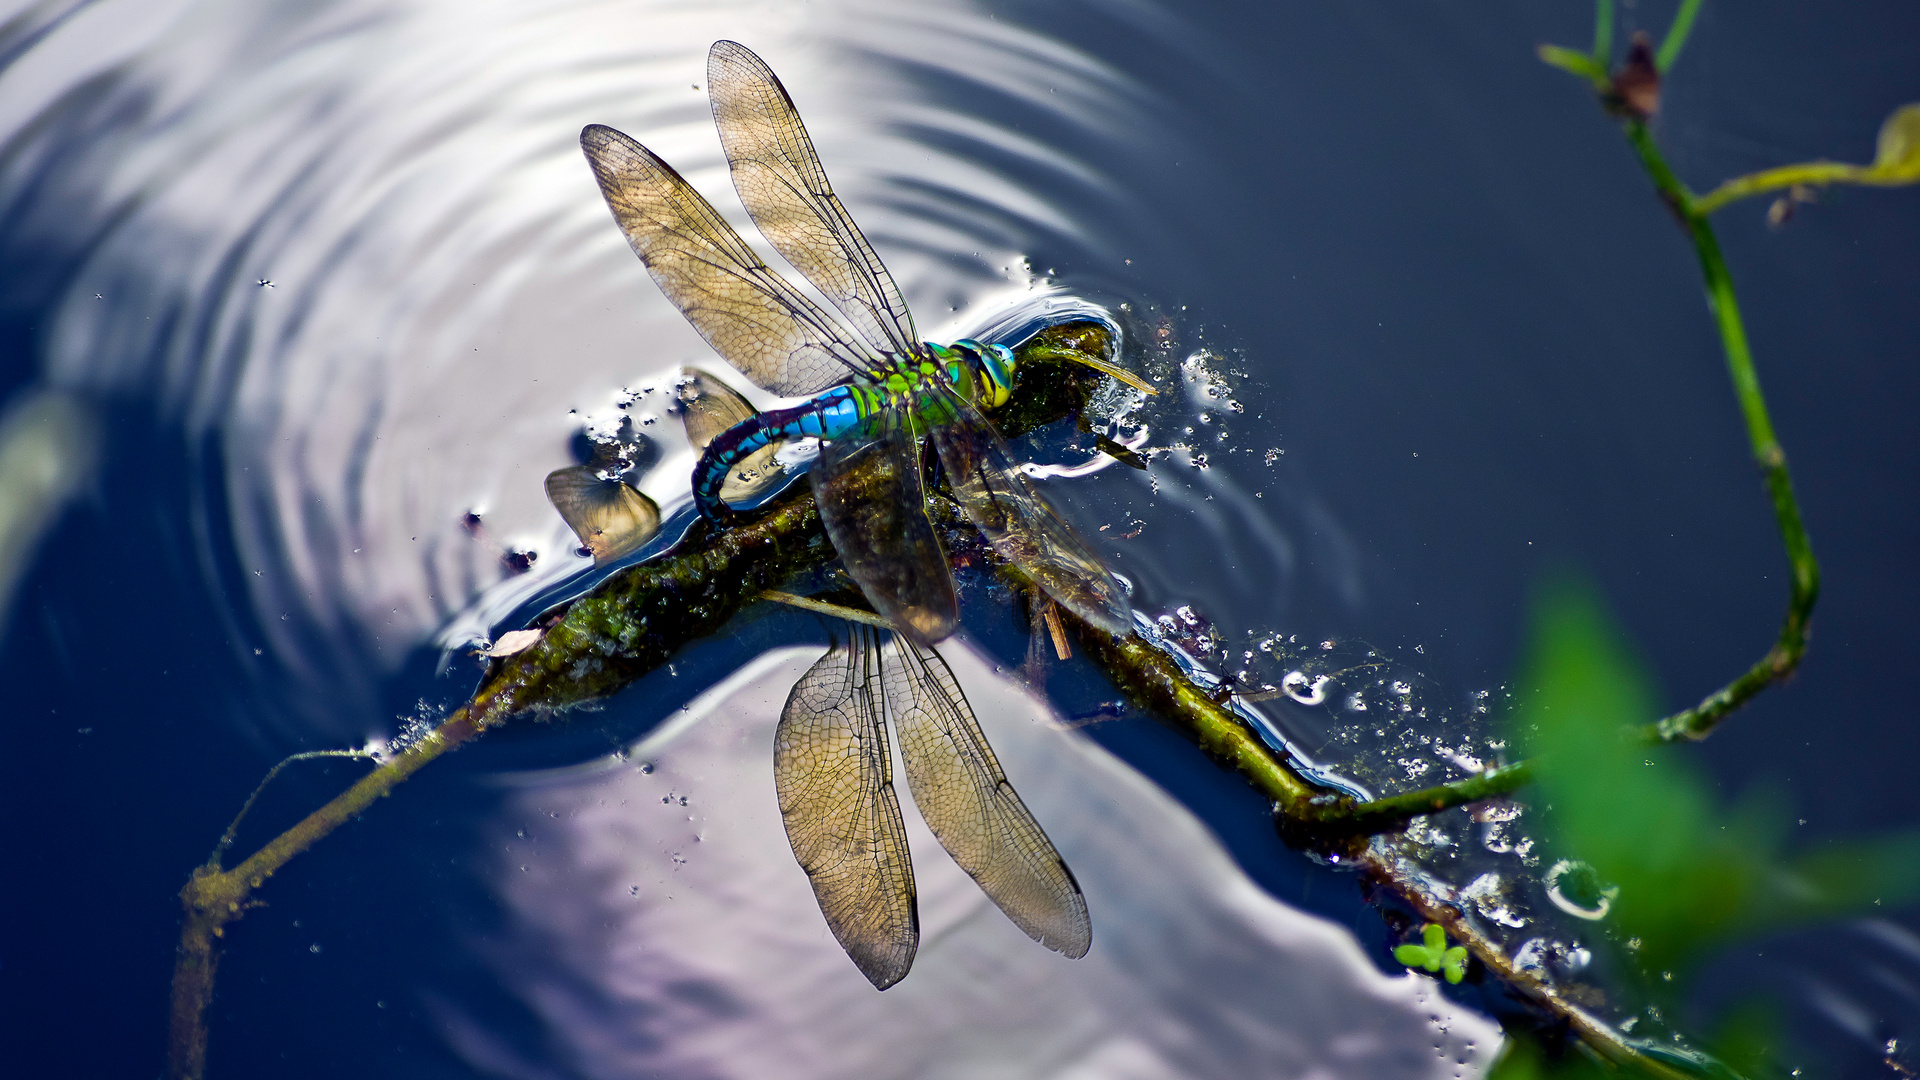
(656, 937)
(449, 296)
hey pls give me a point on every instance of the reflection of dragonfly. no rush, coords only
(887, 387)
(610, 516)
(835, 778)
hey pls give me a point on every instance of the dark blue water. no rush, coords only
(1476, 335)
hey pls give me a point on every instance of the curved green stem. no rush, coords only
(1784, 177)
(1784, 657)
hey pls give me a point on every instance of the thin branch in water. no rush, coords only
(822, 607)
(226, 839)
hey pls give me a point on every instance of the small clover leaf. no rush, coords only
(1411, 955)
(1434, 955)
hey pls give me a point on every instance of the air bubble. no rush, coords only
(1303, 690)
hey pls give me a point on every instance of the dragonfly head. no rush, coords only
(988, 368)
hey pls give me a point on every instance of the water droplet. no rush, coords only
(1577, 889)
(1303, 690)
(1488, 895)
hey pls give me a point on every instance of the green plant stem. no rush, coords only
(1155, 684)
(1781, 178)
(1390, 812)
(1784, 657)
(1677, 32)
(1603, 33)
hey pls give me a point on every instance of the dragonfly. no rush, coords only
(833, 769)
(874, 389)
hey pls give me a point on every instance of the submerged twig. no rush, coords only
(630, 624)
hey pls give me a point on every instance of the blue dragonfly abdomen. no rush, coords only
(827, 416)
(982, 374)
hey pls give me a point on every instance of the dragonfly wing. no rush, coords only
(751, 315)
(867, 486)
(785, 189)
(708, 407)
(967, 802)
(1018, 522)
(609, 516)
(835, 782)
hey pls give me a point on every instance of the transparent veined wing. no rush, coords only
(751, 315)
(968, 803)
(835, 782)
(1014, 517)
(785, 190)
(708, 407)
(609, 516)
(873, 505)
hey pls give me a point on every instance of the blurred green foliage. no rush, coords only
(1641, 816)
(1692, 870)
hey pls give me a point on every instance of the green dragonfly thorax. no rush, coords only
(980, 374)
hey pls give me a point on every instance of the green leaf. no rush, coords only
(1456, 963)
(1578, 63)
(1641, 817)
(1413, 955)
(1434, 953)
(1897, 157)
